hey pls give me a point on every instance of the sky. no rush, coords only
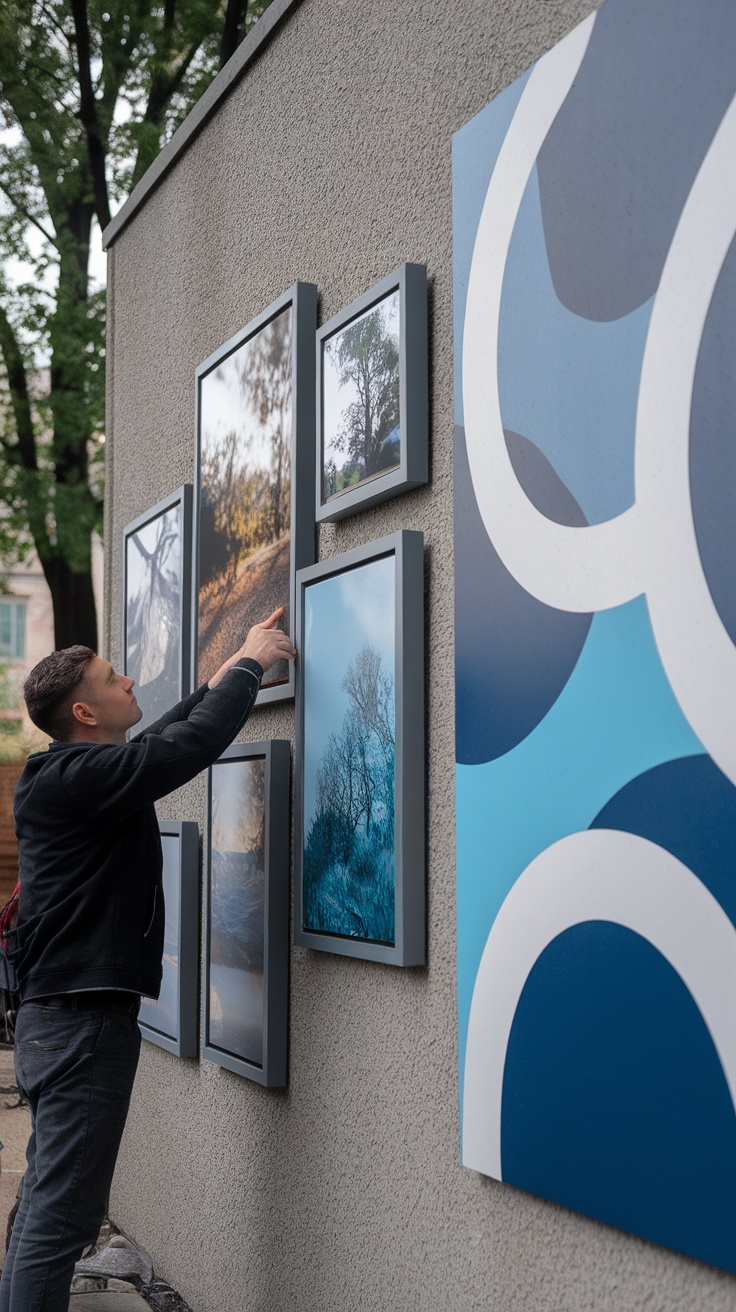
(341, 614)
(335, 400)
(237, 804)
(224, 407)
(149, 535)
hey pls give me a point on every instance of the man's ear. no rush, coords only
(83, 715)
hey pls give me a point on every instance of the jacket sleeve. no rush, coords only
(181, 711)
(110, 781)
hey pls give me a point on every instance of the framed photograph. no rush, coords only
(247, 916)
(157, 553)
(171, 1021)
(372, 397)
(255, 474)
(359, 833)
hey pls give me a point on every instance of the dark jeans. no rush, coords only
(76, 1069)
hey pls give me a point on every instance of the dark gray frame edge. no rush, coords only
(407, 546)
(302, 296)
(183, 495)
(187, 831)
(273, 1073)
(199, 116)
(413, 470)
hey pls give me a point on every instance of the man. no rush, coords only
(90, 932)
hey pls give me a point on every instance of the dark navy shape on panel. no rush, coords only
(687, 807)
(513, 654)
(713, 446)
(614, 1100)
(622, 154)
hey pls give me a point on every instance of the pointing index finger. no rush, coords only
(274, 618)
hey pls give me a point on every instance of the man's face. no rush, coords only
(105, 701)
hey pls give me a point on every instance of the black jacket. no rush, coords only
(91, 910)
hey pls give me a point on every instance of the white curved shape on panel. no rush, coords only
(599, 874)
(574, 569)
(696, 649)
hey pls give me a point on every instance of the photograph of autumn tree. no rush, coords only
(349, 753)
(152, 614)
(236, 902)
(163, 1014)
(361, 435)
(245, 494)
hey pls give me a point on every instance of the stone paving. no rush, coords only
(141, 1292)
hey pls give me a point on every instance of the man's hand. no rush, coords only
(265, 643)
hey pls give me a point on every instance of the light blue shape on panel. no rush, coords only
(474, 152)
(568, 384)
(615, 718)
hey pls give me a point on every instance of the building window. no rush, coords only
(12, 630)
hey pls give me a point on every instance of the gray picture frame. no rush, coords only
(409, 947)
(272, 1072)
(302, 296)
(183, 496)
(184, 1043)
(410, 280)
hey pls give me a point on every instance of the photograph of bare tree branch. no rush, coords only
(155, 628)
(349, 753)
(361, 432)
(244, 535)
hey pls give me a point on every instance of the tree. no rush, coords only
(89, 91)
(366, 355)
(266, 383)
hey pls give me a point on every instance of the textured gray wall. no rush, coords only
(330, 162)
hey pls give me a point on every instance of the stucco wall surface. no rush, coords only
(331, 162)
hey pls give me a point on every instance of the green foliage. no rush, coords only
(89, 92)
(246, 493)
(366, 357)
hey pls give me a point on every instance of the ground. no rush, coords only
(262, 584)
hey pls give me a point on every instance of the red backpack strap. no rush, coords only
(9, 915)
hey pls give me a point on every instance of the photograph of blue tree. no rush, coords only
(163, 1014)
(153, 569)
(236, 908)
(361, 434)
(349, 753)
(245, 431)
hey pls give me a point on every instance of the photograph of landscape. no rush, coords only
(236, 908)
(163, 1015)
(361, 434)
(245, 426)
(153, 569)
(349, 753)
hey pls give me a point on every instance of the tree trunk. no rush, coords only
(75, 617)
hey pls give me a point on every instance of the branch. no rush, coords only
(26, 213)
(162, 89)
(19, 396)
(88, 112)
(233, 29)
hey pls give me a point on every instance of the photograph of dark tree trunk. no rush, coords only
(361, 435)
(235, 1001)
(153, 574)
(245, 435)
(349, 754)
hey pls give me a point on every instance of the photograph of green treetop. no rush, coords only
(361, 435)
(89, 94)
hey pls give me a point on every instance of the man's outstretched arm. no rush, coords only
(256, 650)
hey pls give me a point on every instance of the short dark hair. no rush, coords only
(49, 687)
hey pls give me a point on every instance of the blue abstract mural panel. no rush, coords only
(595, 538)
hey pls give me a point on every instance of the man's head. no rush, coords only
(74, 695)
